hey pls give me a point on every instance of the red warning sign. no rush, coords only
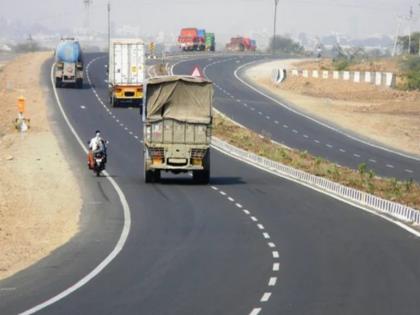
(197, 72)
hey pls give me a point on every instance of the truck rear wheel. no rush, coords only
(203, 176)
(151, 176)
(148, 176)
(114, 102)
(79, 83)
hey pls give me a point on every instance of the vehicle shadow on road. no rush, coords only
(219, 181)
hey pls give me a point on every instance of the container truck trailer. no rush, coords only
(126, 71)
(210, 42)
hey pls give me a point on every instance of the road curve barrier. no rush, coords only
(351, 195)
(385, 79)
(278, 75)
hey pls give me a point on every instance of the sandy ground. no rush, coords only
(387, 116)
(39, 197)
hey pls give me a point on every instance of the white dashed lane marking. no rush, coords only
(342, 150)
(272, 282)
(316, 141)
(266, 296)
(276, 266)
(409, 171)
(390, 166)
(372, 160)
(356, 155)
(255, 311)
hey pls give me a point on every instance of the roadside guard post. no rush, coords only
(21, 104)
(21, 122)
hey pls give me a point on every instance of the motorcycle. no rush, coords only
(99, 161)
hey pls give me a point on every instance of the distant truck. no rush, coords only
(201, 34)
(126, 71)
(177, 122)
(68, 67)
(188, 39)
(241, 44)
(210, 42)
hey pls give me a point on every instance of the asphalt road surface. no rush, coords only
(267, 117)
(248, 243)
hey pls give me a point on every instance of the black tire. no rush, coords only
(79, 83)
(203, 176)
(148, 176)
(156, 176)
(114, 102)
(58, 83)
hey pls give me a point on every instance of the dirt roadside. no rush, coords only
(39, 197)
(384, 115)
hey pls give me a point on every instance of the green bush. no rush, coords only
(341, 64)
(411, 72)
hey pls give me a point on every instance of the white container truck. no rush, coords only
(126, 71)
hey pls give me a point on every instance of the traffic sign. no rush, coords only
(197, 72)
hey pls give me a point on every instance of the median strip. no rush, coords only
(362, 186)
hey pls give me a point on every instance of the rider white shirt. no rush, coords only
(96, 144)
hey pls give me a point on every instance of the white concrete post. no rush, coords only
(368, 77)
(378, 78)
(356, 77)
(346, 75)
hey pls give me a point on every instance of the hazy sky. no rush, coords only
(355, 17)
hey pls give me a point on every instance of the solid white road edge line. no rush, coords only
(313, 119)
(398, 223)
(121, 241)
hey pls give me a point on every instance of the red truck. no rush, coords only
(241, 44)
(188, 39)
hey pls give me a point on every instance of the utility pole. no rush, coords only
(409, 18)
(276, 2)
(109, 25)
(87, 4)
(394, 50)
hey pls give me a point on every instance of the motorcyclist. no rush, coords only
(97, 144)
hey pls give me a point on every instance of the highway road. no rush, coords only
(248, 243)
(265, 116)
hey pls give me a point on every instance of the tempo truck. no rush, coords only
(177, 122)
(126, 71)
(68, 66)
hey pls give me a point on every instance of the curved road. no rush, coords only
(266, 116)
(249, 243)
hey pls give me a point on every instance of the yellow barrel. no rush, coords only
(21, 104)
